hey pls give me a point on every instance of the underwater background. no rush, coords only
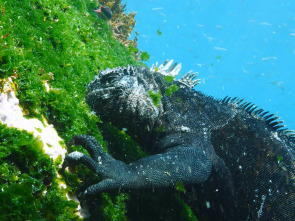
(51, 49)
(240, 48)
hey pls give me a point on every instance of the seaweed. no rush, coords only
(122, 23)
(62, 44)
(155, 96)
(29, 187)
(65, 44)
(69, 42)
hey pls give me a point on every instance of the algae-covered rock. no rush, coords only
(49, 52)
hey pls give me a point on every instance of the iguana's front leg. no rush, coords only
(186, 164)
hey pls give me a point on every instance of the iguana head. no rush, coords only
(121, 96)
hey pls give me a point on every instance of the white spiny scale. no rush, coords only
(153, 66)
(165, 66)
(189, 79)
(176, 70)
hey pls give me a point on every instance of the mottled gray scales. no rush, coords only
(237, 161)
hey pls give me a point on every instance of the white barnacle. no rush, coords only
(240, 167)
(123, 82)
(99, 160)
(76, 154)
(167, 173)
(185, 129)
(208, 204)
(189, 169)
(261, 206)
(106, 96)
(44, 193)
(148, 179)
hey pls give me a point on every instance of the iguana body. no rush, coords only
(237, 161)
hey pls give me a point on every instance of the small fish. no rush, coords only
(269, 58)
(201, 26)
(279, 84)
(145, 36)
(155, 9)
(104, 12)
(265, 24)
(210, 38)
(245, 71)
(220, 49)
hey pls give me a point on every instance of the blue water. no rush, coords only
(240, 48)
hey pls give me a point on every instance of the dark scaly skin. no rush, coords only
(236, 161)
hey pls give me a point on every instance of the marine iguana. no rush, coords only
(237, 161)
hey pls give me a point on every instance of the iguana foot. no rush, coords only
(159, 170)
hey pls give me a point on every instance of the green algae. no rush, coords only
(144, 56)
(169, 79)
(28, 182)
(59, 37)
(180, 187)
(64, 44)
(171, 89)
(156, 97)
(185, 211)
